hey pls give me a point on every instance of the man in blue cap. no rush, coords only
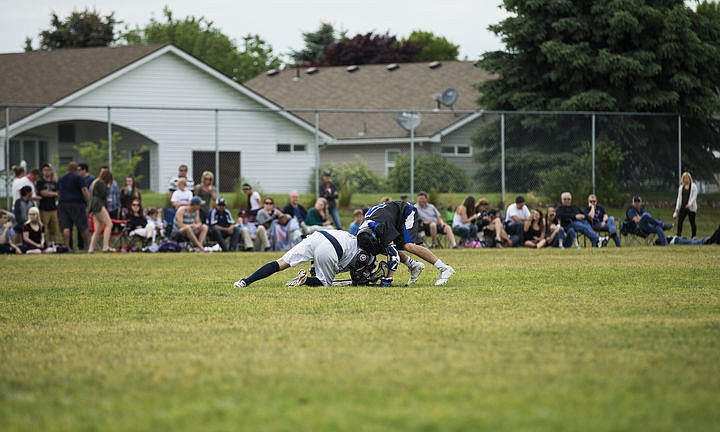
(642, 221)
(222, 225)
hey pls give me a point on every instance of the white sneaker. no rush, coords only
(415, 271)
(240, 284)
(297, 280)
(445, 274)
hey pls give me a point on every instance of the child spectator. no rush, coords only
(34, 234)
(357, 220)
(7, 246)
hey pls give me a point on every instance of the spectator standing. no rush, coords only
(254, 201)
(206, 191)
(84, 172)
(221, 224)
(598, 218)
(686, 204)
(432, 220)
(48, 192)
(571, 216)
(34, 234)
(182, 174)
(515, 218)
(72, 204)
(129, 194)
(22, 180)
(641, 220)
(99, 190)
(329, 191)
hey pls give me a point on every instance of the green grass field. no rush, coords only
(607, 340)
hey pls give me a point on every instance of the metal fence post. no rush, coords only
(679, 117)
(317, 153)
(593, 153)
(7, 158)
(109, 133)
(217, 154)
(502, 156)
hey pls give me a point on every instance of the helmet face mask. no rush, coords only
(362, 268)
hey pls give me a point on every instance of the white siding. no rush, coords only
(170, 81)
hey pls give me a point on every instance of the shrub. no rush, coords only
(431, 172)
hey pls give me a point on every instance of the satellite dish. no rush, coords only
(449, 97)
(409, 120)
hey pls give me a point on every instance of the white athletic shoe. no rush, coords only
(240, 284)
(445, 274)
(297, 280)
(415, 271)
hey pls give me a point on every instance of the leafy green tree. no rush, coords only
(432, 172)
(434, 48)
(608, 55)
(315, 44)
(78, 30)
(200, 38)
(96, 155)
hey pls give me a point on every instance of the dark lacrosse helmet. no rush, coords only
(361, 268)
(368, 241)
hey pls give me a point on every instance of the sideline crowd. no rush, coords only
(108, 217)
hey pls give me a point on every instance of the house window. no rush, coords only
(390, 157)
(456, 150)
(287, 148)
(66, 132)
(229, 172)
(32, 151)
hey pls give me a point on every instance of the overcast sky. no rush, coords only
(279, 22)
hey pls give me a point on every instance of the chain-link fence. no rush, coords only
(542, 153)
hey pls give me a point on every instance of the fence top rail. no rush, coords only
(336, 110)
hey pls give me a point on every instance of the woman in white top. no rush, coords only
(464, 221)
(686, 204)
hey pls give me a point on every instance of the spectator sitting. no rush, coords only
(34, 234)
(7, 245)
(534, 230)
(266, 215)
(21, 208)
(464, 222)
(643, 222)
(358, 217)
(129, 194)
(555, 234)
(181, 196)
(154, 217)
(491, 225)
(515, 218)
(432, 221)
(284, 233)
(206, 191)
(254, 201)
(221, 225)
(138, 224)
(295, 209)
(182, 174)
(598, 218)
(317, 218)
(187, 224)
(571, 216)
(253, 237)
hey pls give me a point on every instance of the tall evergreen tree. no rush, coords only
(609, 55)
(315, 44)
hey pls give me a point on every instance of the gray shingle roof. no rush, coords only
(410, 86)
(44, 77)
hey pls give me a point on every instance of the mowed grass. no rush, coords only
(606, 340)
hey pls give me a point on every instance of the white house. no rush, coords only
(158, 96)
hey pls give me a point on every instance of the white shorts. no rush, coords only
(315, 248)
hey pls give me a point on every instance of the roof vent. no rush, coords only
(312, 70)
(272, 72)
(435, 65)
(392, 66)
(352, 68)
